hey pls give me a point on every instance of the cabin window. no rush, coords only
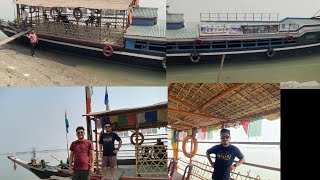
(219, 45)
(157, 47)
(234, 44)
(186, 46)
(249, 43)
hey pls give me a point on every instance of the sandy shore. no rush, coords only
(19, 68)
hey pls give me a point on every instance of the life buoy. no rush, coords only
(133, 135)
(290, 38)
(188, 170)
(54, 12)
(164, 63)
(171, 168)
(195, 57)
(77, 13)
(107, 50)
(270, 53)
(198, 42)
(195, 146)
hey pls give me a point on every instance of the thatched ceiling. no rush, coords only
(197, 105)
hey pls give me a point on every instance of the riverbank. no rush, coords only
(48, 68)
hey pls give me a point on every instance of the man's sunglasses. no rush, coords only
(225, 137)
(107, 127)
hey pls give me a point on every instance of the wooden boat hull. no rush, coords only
(41, 173)
(243, 55)
(140, 58)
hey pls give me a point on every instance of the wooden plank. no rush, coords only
(14, 37)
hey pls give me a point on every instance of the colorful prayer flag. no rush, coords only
(255, 127)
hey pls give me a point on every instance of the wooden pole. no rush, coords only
(97, 150)
(136, 146)
(221, 66)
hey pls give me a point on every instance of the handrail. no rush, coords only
(255, 143)
(249, 164)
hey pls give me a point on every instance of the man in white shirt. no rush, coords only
(24, 16)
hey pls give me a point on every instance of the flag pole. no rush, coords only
(67, 144)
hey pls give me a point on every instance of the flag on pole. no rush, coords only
(66, 121)
(89, 93)
(106, 99)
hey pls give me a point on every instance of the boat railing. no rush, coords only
(151, 160)
(74, 31)
(213, 17)
(203, 169)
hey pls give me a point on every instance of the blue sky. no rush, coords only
(34, 116)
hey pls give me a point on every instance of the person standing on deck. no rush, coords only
(33, 41)
(108, 152)
(225, 154)
(81, 151)
(24, 16)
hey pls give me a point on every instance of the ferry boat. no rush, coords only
(239, 36)
(196, 110)
(114, 30)
(147, 160)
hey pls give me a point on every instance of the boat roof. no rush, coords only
(214, 104)
(157, 31)
(302, 21)
(152, 116)
(191, 30)
(153, 107)
(92, 4)
(145, 12)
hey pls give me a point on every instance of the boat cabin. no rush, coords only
(148, 157)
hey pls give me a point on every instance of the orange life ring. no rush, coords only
(107, 48)
(189, 169)
(195, 146)
(133, 135)
(290, 38)
(77, 13)
(172, 166)
(198, 42)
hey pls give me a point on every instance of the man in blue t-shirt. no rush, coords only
(225, 154)
(108, 152)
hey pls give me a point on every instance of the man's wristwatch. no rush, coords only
(235, 165)
(116, 149)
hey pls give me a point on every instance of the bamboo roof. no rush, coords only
(198, 105)
(90, 4)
